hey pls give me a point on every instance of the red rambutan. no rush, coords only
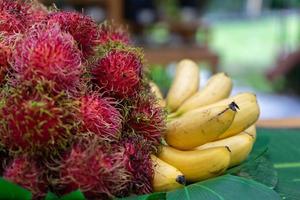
(17, 16)
(27, 173)
(147, 119)
(3, 159)
(118, 72)
(4, 53)
(6, 46)
(99, 116)
(108, 33)
(34, 122)
(138, 163)
(10, 24)
(45, 52)
(97, 171)
(81, 27)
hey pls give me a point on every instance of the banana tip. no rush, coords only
(181, 179)
(233, 106)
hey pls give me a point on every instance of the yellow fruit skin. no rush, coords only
(197, 128)
(185, 84)
(251, 131)
(218, 87)
(166, 177)
(155, 89)
(197, 165)
(246, 116)
(240, 146)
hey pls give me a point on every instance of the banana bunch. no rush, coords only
(208, 131)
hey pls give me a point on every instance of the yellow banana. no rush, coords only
(251, 131)
(185, 84)
(246, 116)
(197, 165)
(240, 146)
(197, 128)
(218, 87)
(166, 177)
(155, 89)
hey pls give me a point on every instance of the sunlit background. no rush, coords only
(252, 40)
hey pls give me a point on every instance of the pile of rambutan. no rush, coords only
(76, 108)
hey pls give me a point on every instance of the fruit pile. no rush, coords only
(207, 131)
(76, 107)
(77, 111)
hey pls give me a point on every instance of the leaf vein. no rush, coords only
(187, 193)
(212, 191)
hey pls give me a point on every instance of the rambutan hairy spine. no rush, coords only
(118, 72)
(97, 170)
(138, 163)
(28, 173)
(100, 117)
(147, 118)
(81, 27)
(34, 122)
(45, 52)
(109, 33)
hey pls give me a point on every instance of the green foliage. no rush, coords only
(10, 191)
(160, 76)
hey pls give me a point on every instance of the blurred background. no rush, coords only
(255, 41)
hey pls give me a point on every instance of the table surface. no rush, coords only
(279, 123)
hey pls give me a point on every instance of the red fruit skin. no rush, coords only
(119, 72)
(10, 24)
(99, 116)
(4, 54)
(3, 159)
(35, 123)
(107, 33)
(17, 16)
(98, 173)
(27, 173)
(82, 28)
(138, 163)
(45, 52)
(147, 119)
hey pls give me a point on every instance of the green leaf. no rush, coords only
(225, 187)
(153, 196)
(11, 191)
(51, 196)
(284, 152)
(76, 195)
(260, 170)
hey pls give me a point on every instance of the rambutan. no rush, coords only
(81, 27)
(3, 159)
(138, 163)
(118, 72)
(17, 16)
(28, 173)
(147, 119)
(96, 170)
(99, 116)
(10, 24)
(4, 53)
(34, 122)
(108, 33)
(45, 52)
